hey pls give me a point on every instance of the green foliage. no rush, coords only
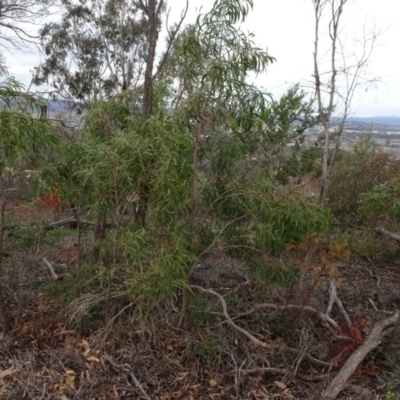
(156, 278)
(356, 174)
(188, 168)
(208, 350)
(382, 202)
(363, 243)
(281, 135)
(204, 310)
(266, 274)
(392, 392)
(259, 220)
(63, 291)
(24, 140)
(105, 41)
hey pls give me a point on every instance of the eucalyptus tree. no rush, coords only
(103, 48)
(24, 141)
(17, 18)
(336, 84)
(97, 49)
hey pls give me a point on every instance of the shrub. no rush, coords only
(359, 173)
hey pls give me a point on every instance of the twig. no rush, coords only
(139, 386)
(391, 235)
(373, 305)
(269, 346)
(334, 299)
(127, 367)
(110, 324)
(373, 340)
(290, 376)
(272, 371)
(51, 269)
(392, 336)
(311, 310)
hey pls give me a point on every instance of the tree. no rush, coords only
(100, 49)
(96, 50)
(344, 75)
(281, 151)
(187, 167)
(15, 18)
(23, 141)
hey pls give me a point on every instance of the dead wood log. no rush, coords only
(385, 232)
(373, 340)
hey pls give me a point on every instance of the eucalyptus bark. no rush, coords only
(152, 10)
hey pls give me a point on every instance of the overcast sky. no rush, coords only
(285, 28)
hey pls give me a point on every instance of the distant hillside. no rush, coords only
(368, 121)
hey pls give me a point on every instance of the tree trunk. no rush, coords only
(152, 10)
(325, 164)
(3, 317)
(100, 235)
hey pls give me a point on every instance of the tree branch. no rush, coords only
(373, 341)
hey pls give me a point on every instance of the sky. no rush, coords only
(286, 29)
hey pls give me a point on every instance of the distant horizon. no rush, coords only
(355, 116)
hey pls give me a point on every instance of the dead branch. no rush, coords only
(272, 371)
(110, 324)
(65, 333)
(139, 386)
(391, 235)
(253, 339)
(311, 310)
(126, 368)
(51, 269)
(393, 334)
(334, 299)
(68, 221)
(373, 340)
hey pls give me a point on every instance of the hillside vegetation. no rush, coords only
(174, 243)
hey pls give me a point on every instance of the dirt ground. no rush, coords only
(48, 356)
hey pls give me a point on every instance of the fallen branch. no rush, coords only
(269, 346)
(139, 386)
(311, 310)
(67, 221)
(334, 299)
(51, 269)
(383, 231)
(126, 368)
(392, 336)
(373, 340)
(272, 371)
